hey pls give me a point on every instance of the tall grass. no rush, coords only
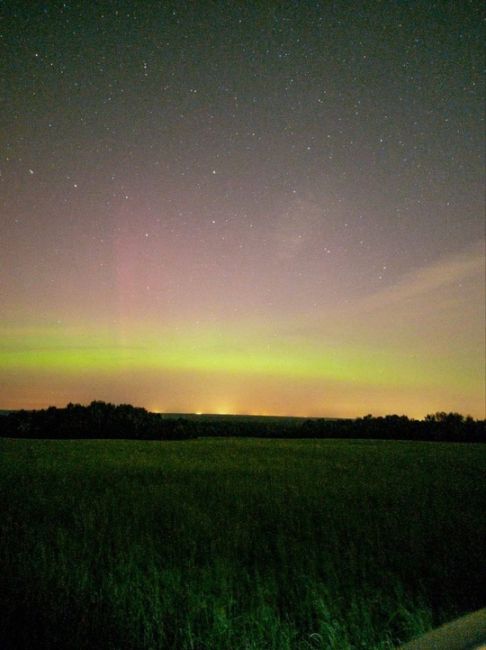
(236, 543)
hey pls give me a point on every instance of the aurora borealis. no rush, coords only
(268, 208)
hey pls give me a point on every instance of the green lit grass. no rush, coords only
(232, 543)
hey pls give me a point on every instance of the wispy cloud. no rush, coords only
(427, 280)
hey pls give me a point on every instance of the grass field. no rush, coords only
(236, 543)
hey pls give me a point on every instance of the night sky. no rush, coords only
(243, 207)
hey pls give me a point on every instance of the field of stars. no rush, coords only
(262, 208)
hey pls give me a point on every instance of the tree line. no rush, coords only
(439, 427)
(97, 420)
(105, 420)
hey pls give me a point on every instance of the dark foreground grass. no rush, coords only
(232, 543)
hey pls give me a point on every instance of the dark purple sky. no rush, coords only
(243, 207)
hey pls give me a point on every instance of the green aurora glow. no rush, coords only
(211, 352)
(244, 208)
